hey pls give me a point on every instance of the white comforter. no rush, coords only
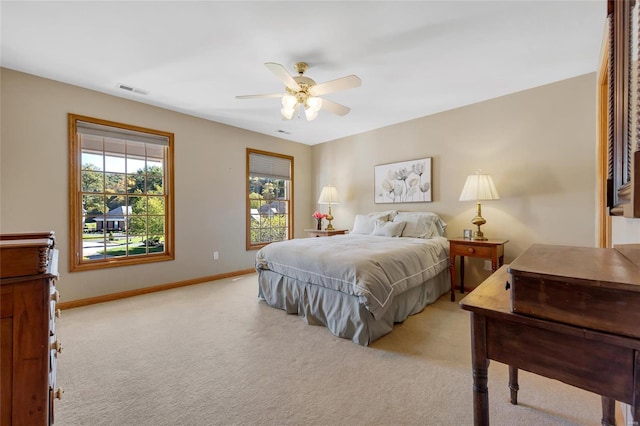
(373, 268)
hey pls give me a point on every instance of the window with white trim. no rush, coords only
(269, 198)
(121, 204)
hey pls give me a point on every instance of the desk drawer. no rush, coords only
(472, 251)
(596, 366)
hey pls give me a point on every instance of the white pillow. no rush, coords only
(421, 224)
(363, 224)
(388, 229)
(388, 215)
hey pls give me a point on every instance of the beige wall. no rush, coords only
(539, 145)
(625, 230)
(209, 181)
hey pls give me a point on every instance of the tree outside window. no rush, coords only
(122, 208)
(269, 198)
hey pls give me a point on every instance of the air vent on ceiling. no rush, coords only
(133, 89)
(283, 131)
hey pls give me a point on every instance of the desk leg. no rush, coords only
(608, 411)
(452, 272)
(635, 408)
(513, 384)
(480, 364)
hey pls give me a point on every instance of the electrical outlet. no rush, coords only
(487, 265)
(215, 255)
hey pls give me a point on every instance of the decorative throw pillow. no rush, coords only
(421, 224)
(388, 215)
(388, 229)
(363, 224)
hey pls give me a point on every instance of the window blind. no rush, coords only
(269, 166)
(100, 130)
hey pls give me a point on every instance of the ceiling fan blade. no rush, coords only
(283, 75)
(335, 107)
(343, 83)
(269, 95)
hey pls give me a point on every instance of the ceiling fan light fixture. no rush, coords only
(289, 101)
(310, 113)
(314, 103)
(301, 92)
(287, 113)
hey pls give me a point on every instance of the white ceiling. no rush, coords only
(415, 58)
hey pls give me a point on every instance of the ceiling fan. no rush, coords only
(303, 93)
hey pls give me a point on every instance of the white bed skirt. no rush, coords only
(342, 313)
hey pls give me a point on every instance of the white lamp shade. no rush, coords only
(314, 103)
(311, 114)
(287, 113)
(329, 195)
(289, 101)
(479, 187)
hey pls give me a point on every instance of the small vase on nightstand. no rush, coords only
(319, 224)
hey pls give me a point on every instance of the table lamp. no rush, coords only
(479, 187)
(329, 195)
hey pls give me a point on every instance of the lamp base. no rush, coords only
(478, 235)
(478, 221)
(329, 219)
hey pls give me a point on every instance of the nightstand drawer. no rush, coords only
(485, 249)
(324, 232)
(472, 250)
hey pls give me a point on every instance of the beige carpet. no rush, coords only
(213, 354)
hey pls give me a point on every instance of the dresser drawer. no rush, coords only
(6, 301)
(22, 257)
(53, 299)
(55, 349)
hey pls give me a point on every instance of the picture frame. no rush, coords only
(468, 234)
(403, 182)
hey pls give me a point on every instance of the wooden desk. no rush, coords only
(488, 249)
(603, 363)
(324, 232)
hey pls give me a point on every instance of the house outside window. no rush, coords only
(121, 203)
(269, 198)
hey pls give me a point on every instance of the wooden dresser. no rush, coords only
(28, 344)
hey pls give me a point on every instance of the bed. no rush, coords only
(391, 265)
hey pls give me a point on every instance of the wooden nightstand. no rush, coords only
(324, 232)
(489, 249)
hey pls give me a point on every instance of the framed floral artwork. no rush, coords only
(403, 182)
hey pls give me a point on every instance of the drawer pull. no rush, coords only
(470, 250)
(57, 346)
(58, 393)
(55, 296)
(58, 313)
